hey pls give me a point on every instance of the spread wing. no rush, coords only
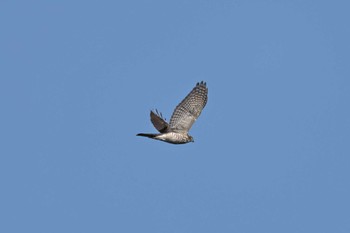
(159, 122)
(187, 112)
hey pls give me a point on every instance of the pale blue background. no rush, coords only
(271, 151)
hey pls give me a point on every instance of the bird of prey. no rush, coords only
(184, 115)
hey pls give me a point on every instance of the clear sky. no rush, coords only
(272, 146)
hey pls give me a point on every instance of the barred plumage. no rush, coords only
(185, 114)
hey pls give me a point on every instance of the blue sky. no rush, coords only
(271, 151)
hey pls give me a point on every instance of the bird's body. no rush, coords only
(171, 137)
(185, 114)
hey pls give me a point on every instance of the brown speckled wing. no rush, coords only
(187, 112)
(159, 122)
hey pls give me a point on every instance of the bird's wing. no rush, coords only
(159, 122)
(187, 112)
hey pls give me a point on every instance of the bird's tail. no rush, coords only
(149, 135)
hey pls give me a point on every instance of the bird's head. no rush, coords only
(191, 138)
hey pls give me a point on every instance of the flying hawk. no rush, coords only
(184, 115)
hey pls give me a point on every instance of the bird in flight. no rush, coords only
(184, 115)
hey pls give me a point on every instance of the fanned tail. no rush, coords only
(149, 135)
